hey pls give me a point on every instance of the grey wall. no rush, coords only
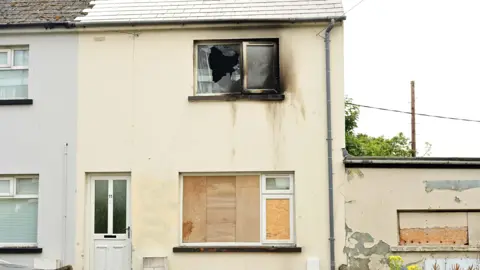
(32, 137)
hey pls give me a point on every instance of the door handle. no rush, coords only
(127, 230)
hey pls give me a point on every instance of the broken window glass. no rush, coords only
(218, 69)
(261, 67)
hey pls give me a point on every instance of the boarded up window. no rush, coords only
(226, 209)
(433, 228)
(221, 209)
(278, 219)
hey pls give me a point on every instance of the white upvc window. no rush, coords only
(241, 209)
(14, 72)
(18, 211)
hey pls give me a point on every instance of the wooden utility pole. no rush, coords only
(414, 137)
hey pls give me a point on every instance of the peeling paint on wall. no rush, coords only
(455, 185)
(361, 257)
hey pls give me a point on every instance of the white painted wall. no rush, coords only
(134, 116)
(32, 137)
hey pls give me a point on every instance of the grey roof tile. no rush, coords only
(208, 10)
(40, 11)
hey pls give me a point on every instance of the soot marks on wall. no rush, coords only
(454, 185)
(361, 257)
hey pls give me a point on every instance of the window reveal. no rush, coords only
(237, 67)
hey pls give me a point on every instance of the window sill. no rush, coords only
(16, 102)
(434, 248)
(237, 249)
(235, 97)
(20, 250)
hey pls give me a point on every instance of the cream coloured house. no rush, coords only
(210, 127)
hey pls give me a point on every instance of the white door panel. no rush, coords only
(111, 223)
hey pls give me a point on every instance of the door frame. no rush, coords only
(89, 214)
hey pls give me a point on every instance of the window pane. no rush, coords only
(278, 219)
(18, 220)
(20, 58)
(277, 183)
(27, 186)
(3, 58)
(119, 206)
(218, 69)
(4, 186)
(261, 67)
(13, 84)
(101, 206)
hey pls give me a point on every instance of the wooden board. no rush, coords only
(434, 236)
(194, 209)
(278, 219)
(221, 208)
(248, 208)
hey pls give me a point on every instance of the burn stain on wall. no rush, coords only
(454, 185)
(361, 257)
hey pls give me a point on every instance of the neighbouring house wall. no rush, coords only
(134, 116)
(422, 215)
(32, 137)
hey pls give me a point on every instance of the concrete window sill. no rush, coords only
(235, 97)
(20, 250)
(434, 249)
(237, 249)
(4, 102)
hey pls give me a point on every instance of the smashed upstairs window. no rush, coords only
(219, 69)
(234, 68)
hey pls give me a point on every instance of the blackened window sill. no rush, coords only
(16, 102)
(20, 250)
(237, 249)
(235, 97)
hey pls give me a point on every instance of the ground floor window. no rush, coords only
(18, 210)
(256, 209)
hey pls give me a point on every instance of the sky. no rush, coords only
(436, 43)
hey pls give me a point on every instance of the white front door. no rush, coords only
(111, 223)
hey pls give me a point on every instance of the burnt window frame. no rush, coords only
(243, 43)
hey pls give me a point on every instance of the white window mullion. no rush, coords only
(110, 206)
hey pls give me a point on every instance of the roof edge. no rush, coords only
(413, 163)
(46, 25)
(193, 22)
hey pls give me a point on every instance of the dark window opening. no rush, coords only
(237, 68)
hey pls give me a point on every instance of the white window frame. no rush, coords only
(12, 191)
(13, 57)
(13, 195)
(270, 194)
(9, 58)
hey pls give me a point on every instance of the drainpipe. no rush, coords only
(329, 146)
(65, 201)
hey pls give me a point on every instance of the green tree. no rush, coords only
(359, 144)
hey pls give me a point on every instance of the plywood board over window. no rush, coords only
(235, 208)
(433, 228)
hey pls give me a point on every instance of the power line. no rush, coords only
(344, 13)
(420, 114)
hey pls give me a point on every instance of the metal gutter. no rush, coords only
(331, 218)
(412, 163)
(46, 25)
(212, 21)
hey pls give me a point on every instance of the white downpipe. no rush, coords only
(65, 201)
